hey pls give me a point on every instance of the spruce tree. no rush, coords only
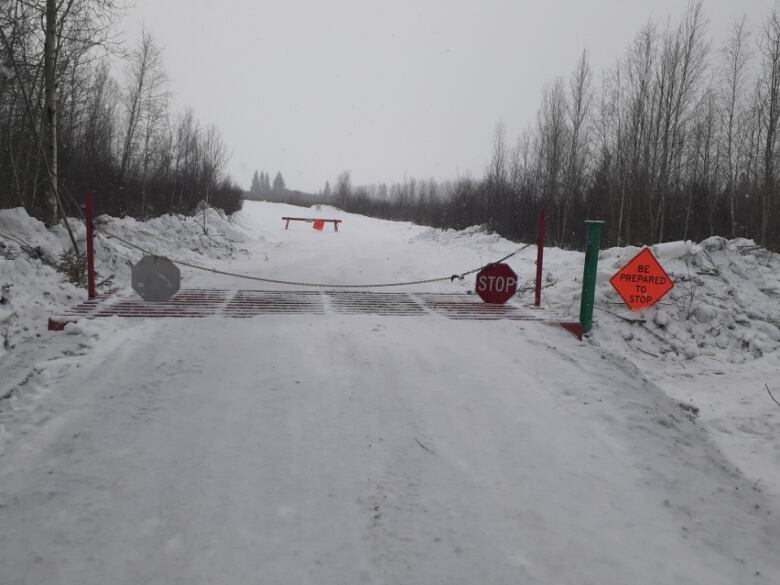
(279, 182)
(256, 185)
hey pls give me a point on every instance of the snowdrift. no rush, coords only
(724, 303)
(34, 289)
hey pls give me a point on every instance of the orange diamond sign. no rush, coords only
(642, 282)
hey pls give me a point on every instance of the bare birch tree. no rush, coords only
(733, 71)
(770, 94)
(579, 111)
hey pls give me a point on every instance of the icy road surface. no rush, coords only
(338, 449)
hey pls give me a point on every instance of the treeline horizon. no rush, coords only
(69, 125)
(676, 141)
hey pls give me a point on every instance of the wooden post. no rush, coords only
(89, 216)
(539, 259)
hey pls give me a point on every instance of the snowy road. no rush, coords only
(331, 449)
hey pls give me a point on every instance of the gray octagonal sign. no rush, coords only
(155, 278)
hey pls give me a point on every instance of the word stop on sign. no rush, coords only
(496, 283)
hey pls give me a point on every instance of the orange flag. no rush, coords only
(319, 224)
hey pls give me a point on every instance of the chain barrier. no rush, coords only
(32, 251)
(451, 278)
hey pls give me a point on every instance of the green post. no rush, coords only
(592, 242)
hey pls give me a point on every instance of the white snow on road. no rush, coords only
(371, 449)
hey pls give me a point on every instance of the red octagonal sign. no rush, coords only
(496, 283)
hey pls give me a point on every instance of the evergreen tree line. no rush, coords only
(262, 188)
(277, 192)
(677, 141)
(68, 125)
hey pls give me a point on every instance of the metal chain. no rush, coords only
(30, 250)
(312, 284)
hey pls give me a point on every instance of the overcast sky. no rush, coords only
(384, 88)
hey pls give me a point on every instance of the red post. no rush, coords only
(90, 214)
(539, 259)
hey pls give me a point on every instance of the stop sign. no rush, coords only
(496, 283)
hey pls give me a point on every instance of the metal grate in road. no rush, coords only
(186, 303)
(255, 303)
(251, 303)
(469, 307)
(359, 302)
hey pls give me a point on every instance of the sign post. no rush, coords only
(592, 242)
(642, 282)
(496, 283)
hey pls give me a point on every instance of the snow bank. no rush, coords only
(175, 236)
(723, 305)
(31, 289)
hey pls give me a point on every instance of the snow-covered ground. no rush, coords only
(376, 449)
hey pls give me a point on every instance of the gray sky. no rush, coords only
(388, 88)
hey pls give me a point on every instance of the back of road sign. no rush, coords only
(155, 278)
